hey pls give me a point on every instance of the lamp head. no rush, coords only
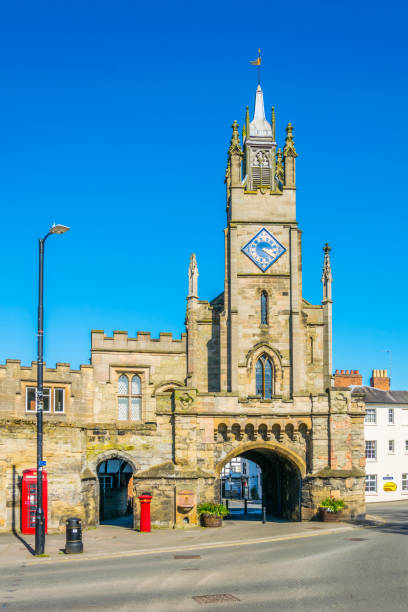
(58, 229)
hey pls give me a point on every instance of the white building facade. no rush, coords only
(241, 479)
(386, 444)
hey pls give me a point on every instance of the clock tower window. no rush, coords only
(264, 377)
(264, 308)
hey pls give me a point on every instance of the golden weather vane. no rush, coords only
(257, 62)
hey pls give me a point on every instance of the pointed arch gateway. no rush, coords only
(283, 471)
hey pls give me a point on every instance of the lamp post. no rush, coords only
(39, 512)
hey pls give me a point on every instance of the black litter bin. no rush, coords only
(73, 543)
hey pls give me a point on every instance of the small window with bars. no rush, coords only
(371, 416)
(371, 483)
(129, 398)
(371, 449)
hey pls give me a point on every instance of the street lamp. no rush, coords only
(39, 512)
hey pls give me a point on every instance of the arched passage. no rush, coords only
(115, 476)
(282, 472)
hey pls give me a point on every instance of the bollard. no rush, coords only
(145, 500)
(73, 537)
(264, 514)
(227, 504)
(245, 506)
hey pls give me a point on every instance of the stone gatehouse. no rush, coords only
(251, 376)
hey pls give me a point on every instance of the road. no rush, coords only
(363, 569)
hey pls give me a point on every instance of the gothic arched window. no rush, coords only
(129, 398)
(264, 308)
(264, 377)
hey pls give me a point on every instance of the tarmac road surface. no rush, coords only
(362, 569)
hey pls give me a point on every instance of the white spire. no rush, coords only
(259, 126)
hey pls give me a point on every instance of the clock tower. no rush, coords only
(263, 306)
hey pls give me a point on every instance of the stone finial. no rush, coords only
(273, 123)
(289, 149)
(192, 277)
(327, 278)
(247, 121)
(280, 174)
(235, 145)
(227, 178)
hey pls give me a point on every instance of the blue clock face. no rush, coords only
(264, 249)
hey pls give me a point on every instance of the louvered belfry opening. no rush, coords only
(261, 170)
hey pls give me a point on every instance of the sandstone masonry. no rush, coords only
(251, 376)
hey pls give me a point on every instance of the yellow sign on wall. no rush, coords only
(390, 486)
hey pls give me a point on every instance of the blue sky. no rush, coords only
(115, 120)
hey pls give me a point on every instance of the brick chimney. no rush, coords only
(345, 378)
(380, 380)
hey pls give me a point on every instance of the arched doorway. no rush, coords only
(115, 477)
(280, 486)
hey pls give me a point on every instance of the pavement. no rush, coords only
(114, 540)
(118, 538)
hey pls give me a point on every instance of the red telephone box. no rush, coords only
(29, 500)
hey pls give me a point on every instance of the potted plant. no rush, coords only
(331, 509)
(212, 514)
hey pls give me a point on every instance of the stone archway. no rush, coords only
(282, 475)
(93, 478)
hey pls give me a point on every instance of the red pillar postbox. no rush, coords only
(145, 512)
(29, 500)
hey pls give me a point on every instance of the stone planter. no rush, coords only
(211, 521)
(330, 517)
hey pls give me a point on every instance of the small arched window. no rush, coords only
(264, 377)
(129, 402)
(264, 308)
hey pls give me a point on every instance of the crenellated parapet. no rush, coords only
(16, 380)
(143, 342)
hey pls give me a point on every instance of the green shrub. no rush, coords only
(212, 509)
(332, 504)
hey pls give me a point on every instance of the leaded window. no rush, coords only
(264, 308)
(129, 398)
(264, 377)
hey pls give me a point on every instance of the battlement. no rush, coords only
(62, 371)
(143, 342)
